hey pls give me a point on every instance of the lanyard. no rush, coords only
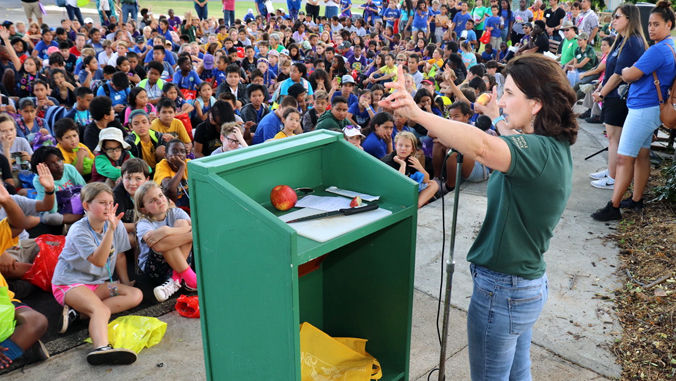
(96, 240)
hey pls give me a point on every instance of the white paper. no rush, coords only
(326, 203)
(352, 194)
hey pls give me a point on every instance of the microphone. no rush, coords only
(483, 122)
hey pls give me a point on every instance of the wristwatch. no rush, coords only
(497, 120)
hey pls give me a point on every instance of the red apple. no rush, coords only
(355, 202)
(283, 197)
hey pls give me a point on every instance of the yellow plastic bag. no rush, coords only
(135, 332)
(337, 359)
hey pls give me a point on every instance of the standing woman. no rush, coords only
(74, 11)
(312, 9)
(202, 9)
(633, 153)
(628, 47)
(527, 194)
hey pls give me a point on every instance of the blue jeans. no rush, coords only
(129, 10)
(74, 12)
(330, 12)
(500, 320)
(202, 12)
(229, 18)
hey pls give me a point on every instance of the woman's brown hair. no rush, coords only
(541, 79)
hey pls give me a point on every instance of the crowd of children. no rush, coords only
(109, 115)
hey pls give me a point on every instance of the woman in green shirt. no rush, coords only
(527, 193)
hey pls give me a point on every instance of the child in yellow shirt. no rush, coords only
(168, 126)
(73, 151)
(172, 174)
(30, 324)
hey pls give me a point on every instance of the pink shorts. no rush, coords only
(60, 291)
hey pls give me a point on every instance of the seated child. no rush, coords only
(28, 124)
(65, 176)
(80, 112)
(203, 102)
(74, 152)
(135, 172)
(311, 117)
(172, 174)
(291, 121)
(17, 150)
(165, 238)
(168, 126)
(83, 277)
(112, 152)
(403, 159)
(378, 140)
(30, 324)
(170, 91)
(103, 115)
(145, 143)
(231, 139)
(138, 100)
(353, 135)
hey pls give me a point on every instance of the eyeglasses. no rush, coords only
(617, 16)
(233, 141)
(350, 127)
(113, 150)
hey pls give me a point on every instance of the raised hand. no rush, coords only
(400, 100)
(45, 177)
(114, 219)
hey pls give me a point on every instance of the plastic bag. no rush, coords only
(339, 358)
(42, 270)
(135, 332)
(185, 119)
(188, 306)
(7, 321)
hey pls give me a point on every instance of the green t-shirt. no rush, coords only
(590, 53)
(568, 50)
(478, 14)
(524, 206)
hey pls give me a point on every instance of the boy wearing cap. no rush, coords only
(74, 152)
(347, 85)
(140, 48)
(273, 57)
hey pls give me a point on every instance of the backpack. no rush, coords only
(106, 89)
(61, 3)
(667, 106)
(53, 114)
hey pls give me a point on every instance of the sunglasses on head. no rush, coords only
(349, 127)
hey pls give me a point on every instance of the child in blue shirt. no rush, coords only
(186, 78)
(41, 47)
(493, 25)
(391, 13)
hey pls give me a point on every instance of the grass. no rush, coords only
(215, 7)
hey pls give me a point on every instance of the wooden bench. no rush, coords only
(554, 46)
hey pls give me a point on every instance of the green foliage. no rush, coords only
(668, 190)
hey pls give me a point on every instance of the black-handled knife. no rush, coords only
(344, 212)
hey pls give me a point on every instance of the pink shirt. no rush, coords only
(228, 5)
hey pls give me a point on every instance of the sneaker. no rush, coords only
(68, 317)
(604, 183)
(600, 175)
(186, 287)
(37, 352)
(629, 203)
(594, 120)
(111, 356)
(167, 289)
(607, 213)
(584, 115)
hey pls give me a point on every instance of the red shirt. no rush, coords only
(74, 51)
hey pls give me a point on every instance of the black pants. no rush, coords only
(312, 10)
(516, 38)
(479, 33)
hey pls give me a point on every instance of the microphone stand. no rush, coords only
(450, 263)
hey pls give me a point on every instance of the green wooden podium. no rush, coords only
(252, 300)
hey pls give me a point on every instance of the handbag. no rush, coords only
(668, 108)
(68, 200)
(341, 358)
(485, 38)
(270, 7)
